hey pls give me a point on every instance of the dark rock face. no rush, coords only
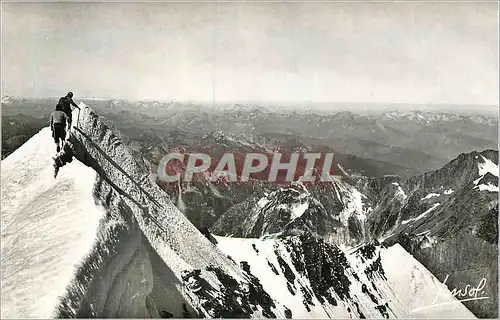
(459, 204)
(208, 235)
(488, 229)
(165, 314)
(488, 179)
(318, 273)
(361, 315)
(255, 248)
(319, 209)
(288, 313)
(375, 268)
(273, 268)
(383, 310)
(202, 206)
(233, 300)
(367, 251)
(64, 157)
(323, 264)
(287, 272)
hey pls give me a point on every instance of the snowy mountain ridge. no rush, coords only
(103, 240)
(428, 116)
(334, 211)
(367, 282)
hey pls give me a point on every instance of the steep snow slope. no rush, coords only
(48, 227)
(417, 289)
(142, 259)
(103, 240)
(312, 278)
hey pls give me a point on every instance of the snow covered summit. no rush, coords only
(48, 227)
(103, 240)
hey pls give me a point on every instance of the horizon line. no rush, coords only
(290, 102)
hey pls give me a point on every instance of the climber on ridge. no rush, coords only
(58, 120)
(66, 102)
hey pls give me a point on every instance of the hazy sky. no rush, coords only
(363, 52)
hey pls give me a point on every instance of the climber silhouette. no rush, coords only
(66, 102)
(58, 120)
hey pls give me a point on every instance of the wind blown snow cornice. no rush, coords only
(125, 188)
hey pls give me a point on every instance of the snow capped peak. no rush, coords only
(295, 209)
(250, 108)
(487, 166)
(429, 116)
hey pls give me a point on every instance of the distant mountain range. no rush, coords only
(418, 140)
(453, 208)
(426, 181)
(102, 240)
